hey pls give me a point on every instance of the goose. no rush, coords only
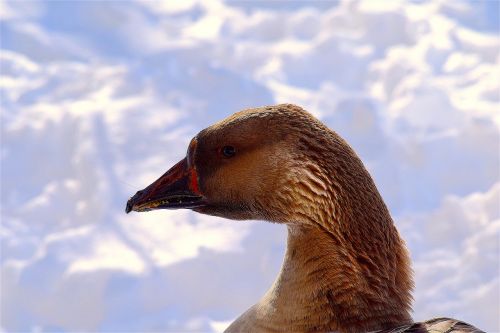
(346, 268)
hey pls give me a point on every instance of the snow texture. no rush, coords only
(100, 98)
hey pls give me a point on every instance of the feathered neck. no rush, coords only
(329, 284)
(325, 285)
(346, 268)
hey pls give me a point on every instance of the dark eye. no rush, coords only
(228, 151)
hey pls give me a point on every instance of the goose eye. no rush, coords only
(228, 151)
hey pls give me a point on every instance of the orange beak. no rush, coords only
(176, 188)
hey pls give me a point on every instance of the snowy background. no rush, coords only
(100, 98)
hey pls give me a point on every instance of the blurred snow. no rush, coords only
(100, 98)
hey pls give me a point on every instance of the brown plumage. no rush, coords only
(346, 268)
(436, 325)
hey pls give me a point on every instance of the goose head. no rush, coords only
(245, 168)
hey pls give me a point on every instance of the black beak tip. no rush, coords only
(128, 208)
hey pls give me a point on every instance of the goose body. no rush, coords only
(346, 269)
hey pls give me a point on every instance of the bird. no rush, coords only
(346, 268)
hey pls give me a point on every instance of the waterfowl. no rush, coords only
(346, 268)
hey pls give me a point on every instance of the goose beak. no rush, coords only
(176, 188)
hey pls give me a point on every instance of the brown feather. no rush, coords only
(436, 325)
(346, 268)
